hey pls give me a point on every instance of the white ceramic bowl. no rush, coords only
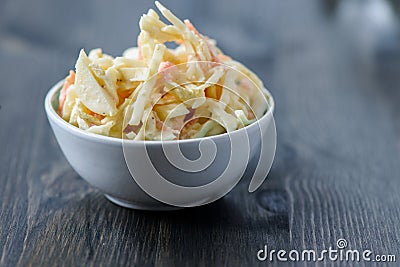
(100, 160)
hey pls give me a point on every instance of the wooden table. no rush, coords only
(336, 173)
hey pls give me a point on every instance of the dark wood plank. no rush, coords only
(335, 175)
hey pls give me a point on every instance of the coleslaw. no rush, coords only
(153, 92)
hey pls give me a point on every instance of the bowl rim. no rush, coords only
(57, 119)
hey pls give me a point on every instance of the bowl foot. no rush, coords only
(140, 206)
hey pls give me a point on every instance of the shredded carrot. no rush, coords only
(140, 57)
(96, 115)
(223, 57)
(250, 115)
(246, 84)
(70, 80)
(214, 92)
(187, 127)
(165, 65)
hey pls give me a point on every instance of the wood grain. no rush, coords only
(336, 172)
